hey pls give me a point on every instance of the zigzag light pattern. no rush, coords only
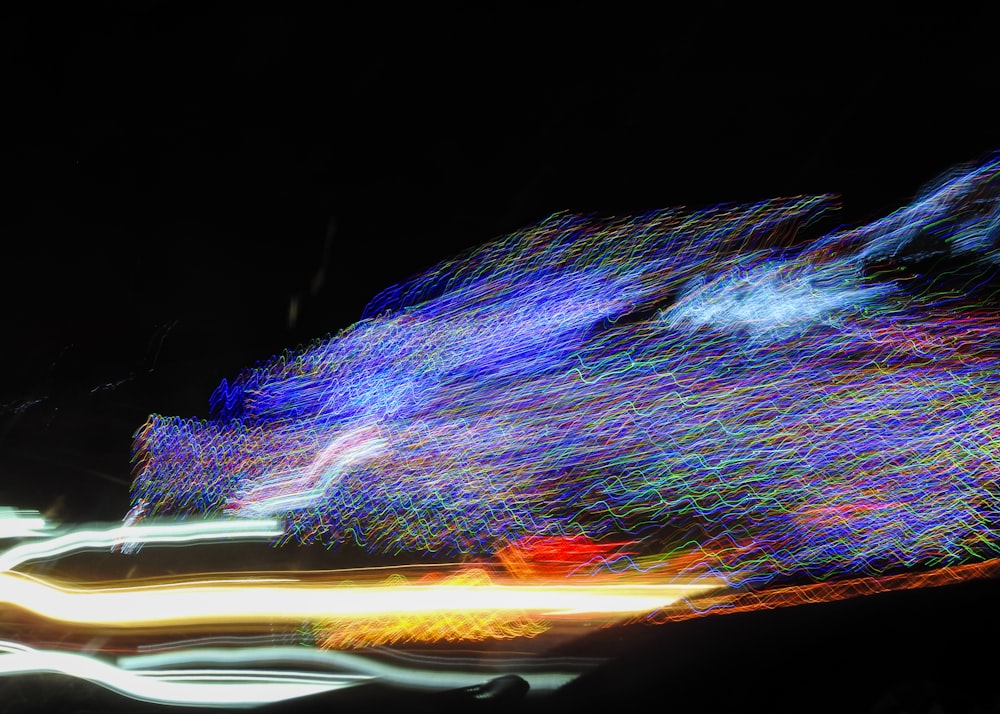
(713, 381)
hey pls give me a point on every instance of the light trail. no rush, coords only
(156, 532)
(256, 600)
(796, 408)
(642, 419)
(196, 687)
(19, 523)
(542, 674)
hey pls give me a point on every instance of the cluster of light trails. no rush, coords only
(585, 423)
(798, 408)
(266, 600)
(124, 634)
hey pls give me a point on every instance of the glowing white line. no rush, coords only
(243, 689)
(293, 602)
(409, 677)
(148, 532)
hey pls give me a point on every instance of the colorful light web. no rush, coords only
(684, 380)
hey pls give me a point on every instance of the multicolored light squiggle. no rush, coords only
(715, 382)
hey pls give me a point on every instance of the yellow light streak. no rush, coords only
(354, 633)
(243, 601)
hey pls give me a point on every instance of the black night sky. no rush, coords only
(192, 187)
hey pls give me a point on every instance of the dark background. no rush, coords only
(193, 187)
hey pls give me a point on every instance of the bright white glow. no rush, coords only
(246, 601)
(215, 688)
(16, 523)
(361, 666)
(141, 533)
(770, 299)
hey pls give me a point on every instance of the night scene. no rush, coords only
(525, 360)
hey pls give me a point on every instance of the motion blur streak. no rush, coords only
(158, 531)
(532, 670)
(590, 421)
(355, 633)
(791, 595)
(262, 601)
(205, 688)
(15, 523)
(790, 405)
